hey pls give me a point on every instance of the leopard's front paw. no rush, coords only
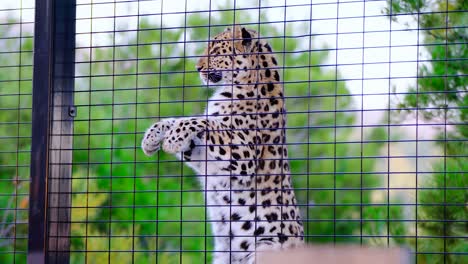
(151, 142)
(176, 143)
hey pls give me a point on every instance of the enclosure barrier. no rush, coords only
(376, 127)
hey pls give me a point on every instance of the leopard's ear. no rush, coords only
(246, 37)
(242, 38)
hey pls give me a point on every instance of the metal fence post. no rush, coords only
(52, 128)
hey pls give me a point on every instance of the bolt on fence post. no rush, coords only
(52, 128)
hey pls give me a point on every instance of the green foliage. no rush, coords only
(15, 142)
(441, 97)
(442, 211)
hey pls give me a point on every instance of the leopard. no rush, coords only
(237, 148)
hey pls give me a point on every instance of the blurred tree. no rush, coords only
(441, 94)
(440, 97)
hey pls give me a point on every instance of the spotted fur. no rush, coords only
(238, 148)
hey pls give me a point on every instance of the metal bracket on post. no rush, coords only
(72, 111)
(52, 128)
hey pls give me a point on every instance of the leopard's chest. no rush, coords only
(244, 111)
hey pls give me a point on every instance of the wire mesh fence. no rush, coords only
(375, 93)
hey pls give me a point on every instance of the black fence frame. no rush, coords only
(52, 128)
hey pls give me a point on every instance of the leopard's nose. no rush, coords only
(215, 76)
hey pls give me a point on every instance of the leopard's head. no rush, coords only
(228, 56)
